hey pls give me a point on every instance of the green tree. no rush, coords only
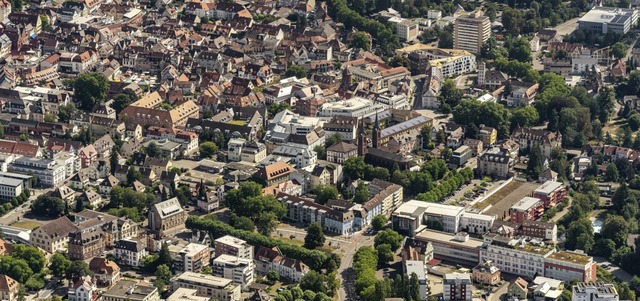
(79, 268)
(520, 50)
(59, 265)
(333, 140)
(278, 107)
(634, 121)
(361, 194)
(133, 175)
(385, 254)
(90, 88)
(31, 255)
(241, 222)
(619, 50)
(513, 21)
(47, 205)
(324, 193)
(121, 101)
(15, 268)
(353, 168)
(152, 150)
(611, 173)
(450, 94)
(524, 116)
(379, 221)
(390, 237)
(615, 228)
(50, 117)
(297, 71)
(445, 39)
(208, 149)
(579, 235)
(163, 276)
(536, 161)
(315, 237)
(360, 40)
(273, 276)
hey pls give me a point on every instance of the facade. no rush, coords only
(518, 289)
(147, 112)
(420, 269)
(53, 236)
(608, 19)
(233, 246)
(460, 156)
(83, 290)
(267, 259)
(496, 163)
(10, 188)
(208, 286)
(130, 252)
(589, 291)
(240, 270)
(486, 273)
(338, 153)
(515, 256)
(456, 287)
(106, 272)
(86, 242)
(407, 30)
(166, 218)
(551, 193)
(47, 171)
(193, 258)
(9, 288)
(457, 248)
(471, 31)
(527, 209)
(476, 223)
(570, 265)
(528, 137)
(410, 215)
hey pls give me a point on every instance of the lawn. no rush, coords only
(26, 225)
(501, 194)
(237, 122)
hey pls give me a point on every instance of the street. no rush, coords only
(345, 271)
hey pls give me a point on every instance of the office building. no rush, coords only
(589, 291)
(515, 256)
(603, 20)
(471, 31)
(47, 171)
(208, 286)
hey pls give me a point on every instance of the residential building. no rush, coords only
(106, 272)
(527, 137)
(344, 126)
(233, 246)
(167, 218)
(448, 62)
(9, 288)
(47, 171)
(186, 294)
(590, 291)
(486, 273)
(240, 270)
(518, 288)
(420, 269)
(496, 163)
(527, 208)
(267, 259)
(275, 173)
(338, 153)
(130, 252)
(10, 188)
(515, 256)
(83, 290)
(533, 229)
(208, 286)
(487, 135)
(545, 288)
(193, 258)
(456, 287)
(130, 290)
(522, 94)
(460, 156)
(241, 150)
(471, 31)
(551, 193)
(87, 241)
(603, 20)
(54, 235)
(407, 30)
(146, 111)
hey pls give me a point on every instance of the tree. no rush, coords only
(445, 39)
(314, 238)
(536, 161)
(513, 21)
(450, 94)
(353, 168)
(79, 268)
(619, 50)
(524, 116)
(611, 173)
(297, 71)
(241, 222)
(273, 276)
(207, 149)
(15, 268)
(278, 107)
(50, 117)
(152, 150)
(634, 121)
(390, 237)
(59, 264)
(333, 140)
(361, 194)
(520, 50)
(615, 228)
(579, 235)
(133, 175)
(48, 205)
(90, 88)
(324, 193)
(163, 276)
(360, 40)
(379, 221)
(385, 254)
(491, 114)
(321, 284)
(17, 5)
(31, 255)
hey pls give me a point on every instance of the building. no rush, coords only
(338, 153)
(456, 287)
(420, 269)
(87, 241)
(527, 209)
(471, 31)
(460, 156)
(54, 235)
(240, 270)
(603, 20)
(147, 111)
(545, 288)
(527, 137)
(166, 218)
(448, 62)
(130, 252)
(186, 294)
(515, 256)
(10, 188)
(208, 286)
(193, 258)
(590, 291)
(570, 265)
(486, 273)
(83, 290)
(274, 173)
(357, 107)
(457, 248)
(129, 290)
(241, 150)
(9, 288)
(476, 223)
(522, 94)
(518, 288)
(47, 171)
(410, 215)
(268, 259)
(533, 229)
(551, 193)
(407, 30)
(495, 162)
(233, 246)
(106, 272)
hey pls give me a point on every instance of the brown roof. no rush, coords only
(275, 170)
(8, 284)
(59, 227)
(342, 147)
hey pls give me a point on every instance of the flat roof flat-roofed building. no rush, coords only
(527, 209)
(129, 290)
(208, 286)
(451, 247)
(471, 31)
(233, 246)
(551, 193)
(570, 265)
(522, 257)
(48, 171)
(590, 291)
(457, 287)
(608, 19)
(409, 217)
(354, 107)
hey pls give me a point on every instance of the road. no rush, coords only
(345, 271)
(17, 213)
(501, 291)
(562, 29)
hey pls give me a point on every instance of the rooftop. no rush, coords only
(526, 203)
(448, 238)
(571, 257)
(208, 280)
(548, 187)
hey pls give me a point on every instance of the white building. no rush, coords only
(233, 246)
(194, 257)
(240, 270)
(476, 223)
(208, 286)
(589, 291)
(420, 269)
(471, 31)
(186, 294)
(83, 290)
(457, 286)
(407, 30)
(47, 171)
(130, 252)
(608, 19)
(354, 107)
(448, 216)
(10, 188)
(515, 256)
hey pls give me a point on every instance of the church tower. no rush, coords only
(362, 140)
(346, 79)
(375, 135)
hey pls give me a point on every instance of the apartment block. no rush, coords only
(208, 286)
(471, 31)
(193, 258)
(526, 209)
(457, 287)
(233, 246)
(590, 291)
(551, 193)
(240, 270)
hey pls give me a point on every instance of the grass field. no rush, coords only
(26, 225)
(501, 194)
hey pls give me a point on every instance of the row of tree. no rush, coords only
(248, 201)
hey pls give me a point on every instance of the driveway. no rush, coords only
(613, 269)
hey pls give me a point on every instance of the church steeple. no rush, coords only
(375, 135)
(362, 140)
